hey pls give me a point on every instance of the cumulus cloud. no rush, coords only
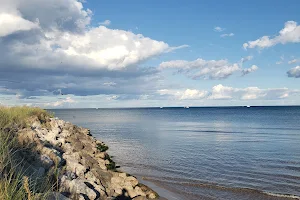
(204, 69)
(188, 94)
(294, 72)
(10, 23)
(227, 35)
(218, 29)
(49, 46)
(249, 70)
(105, 23)
(289, 34)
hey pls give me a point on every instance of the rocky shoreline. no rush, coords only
(83, 168)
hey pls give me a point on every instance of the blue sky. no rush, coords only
(155, 53)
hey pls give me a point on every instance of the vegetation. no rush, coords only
(112, 165)
(11, 117)
(16, 182)
(102, 147)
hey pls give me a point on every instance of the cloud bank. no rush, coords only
(221, 92)
(206, 69)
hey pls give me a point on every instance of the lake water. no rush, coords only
(203, 153)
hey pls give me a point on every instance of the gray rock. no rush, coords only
(79, 187)
(57, 196)
(41, 171)
(46, 160)
(36, 125)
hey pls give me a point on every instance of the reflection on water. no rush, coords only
(204, 153)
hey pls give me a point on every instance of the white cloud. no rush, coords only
(112, 97)
(293, 61)
(220, 92)
(98, 47)
(109, 84)
(281, 60)
(188, 94)
(219, 29)
(294, 72)
(249, 70)
(105, 23)
(227, 35)
(289, 34)
(60, 103)
(249, 93)
(11, 23)
(245, 59)
(203, 69)
(179, 47)
(66, 36)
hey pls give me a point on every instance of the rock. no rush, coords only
(73, 164)
(57, 196)
(123, 175)
(117, 180)
(46, 160)
(88, 160)
(139, 191)
(140, 198)
(102, 155)
(70, 175)
(41, 171)
(132, 180)
(79, 187)
(118, 191)
(132, 193)
(36, 125)
(85, 175)
(151, 196)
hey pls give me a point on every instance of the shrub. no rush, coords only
(102, 147)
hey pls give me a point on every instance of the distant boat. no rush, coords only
(248, 106)
(97, 108)
(161, 107)
(186, 107)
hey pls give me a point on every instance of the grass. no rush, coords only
(16, 116)
(15, 183)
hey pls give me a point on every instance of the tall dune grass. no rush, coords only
(17, 116)
(14, 182)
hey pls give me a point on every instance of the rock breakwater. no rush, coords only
(83, 169)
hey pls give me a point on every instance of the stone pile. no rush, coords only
(85, 169)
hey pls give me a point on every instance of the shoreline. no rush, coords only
(86, 170)
(250, 192)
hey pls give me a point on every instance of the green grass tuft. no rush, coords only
(102, 147)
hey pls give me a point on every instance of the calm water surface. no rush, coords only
(203, 153)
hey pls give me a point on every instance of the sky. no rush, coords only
(108, 53)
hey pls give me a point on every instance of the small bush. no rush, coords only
(102, 147)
